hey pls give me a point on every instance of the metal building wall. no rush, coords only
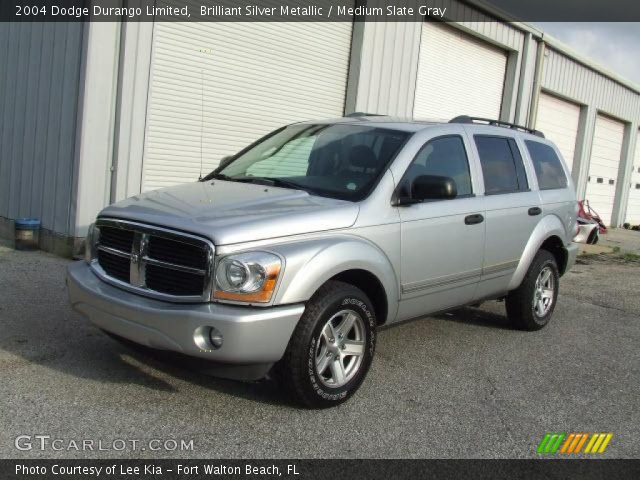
(386, 57)
(576, 80)
(39, 91)
(384, 64)
(569, 78)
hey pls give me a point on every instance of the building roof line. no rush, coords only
(555, 44)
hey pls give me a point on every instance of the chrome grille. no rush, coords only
(166, 250)
(117, 238)
(115, 265)
(154, 261)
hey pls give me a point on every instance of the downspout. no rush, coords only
(535, 93)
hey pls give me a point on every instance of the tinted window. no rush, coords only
(502, 165)
(547, 165)
(444, 157)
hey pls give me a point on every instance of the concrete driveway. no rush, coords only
(458, 385)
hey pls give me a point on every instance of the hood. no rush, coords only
(232, 212)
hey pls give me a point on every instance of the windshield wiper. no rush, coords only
(275, 182)
(218, 176)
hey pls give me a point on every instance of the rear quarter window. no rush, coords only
(547, 165)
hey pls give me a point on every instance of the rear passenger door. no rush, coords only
(554, 183)
(512, 209)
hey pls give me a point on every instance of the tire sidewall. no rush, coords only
(546, 261)
(320, 392)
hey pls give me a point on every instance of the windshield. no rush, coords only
(339, 160)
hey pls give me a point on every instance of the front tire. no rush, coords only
(332, 347)
(531, 305)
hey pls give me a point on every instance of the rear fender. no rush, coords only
(549, 226)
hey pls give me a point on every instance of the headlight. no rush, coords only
(90, 243)
(247, 277)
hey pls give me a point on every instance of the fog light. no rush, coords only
(215, 337)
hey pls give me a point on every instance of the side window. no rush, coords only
(445, 157)
(547, 165)
(502, 165)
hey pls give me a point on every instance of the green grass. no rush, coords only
(615, 256)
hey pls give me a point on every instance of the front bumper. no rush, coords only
(250, 335)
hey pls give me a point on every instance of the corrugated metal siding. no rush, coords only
(458, 75)
(573, 80)
(633, 205)
(559, 120)
(39, 89)
(256, 78)
(390, 51)
(608, 139)
(388, 67)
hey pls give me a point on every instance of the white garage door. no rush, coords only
(217, 87)
(633, 204)
(603, 167)
(559, 120)
(458, 75)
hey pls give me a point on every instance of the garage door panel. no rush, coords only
(604, 164)
(457, 75)
(559, 121)
(633, 203)
(220, 86)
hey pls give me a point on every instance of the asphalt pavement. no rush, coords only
(462, 384)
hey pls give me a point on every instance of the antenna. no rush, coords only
(201, 118)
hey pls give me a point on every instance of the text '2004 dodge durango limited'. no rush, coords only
(287, 258)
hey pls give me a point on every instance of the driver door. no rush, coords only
(442, 241)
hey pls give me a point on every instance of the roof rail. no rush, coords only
(363, 114)
(495, 123)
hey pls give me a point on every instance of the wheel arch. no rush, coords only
(371, 286)
(352, 260)
(554, 245)
(548, 234)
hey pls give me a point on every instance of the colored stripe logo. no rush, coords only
(572, 443)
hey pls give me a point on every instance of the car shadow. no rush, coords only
(49, 334)
(39, 328)
(93, 355)
(193, 370)
(476, 316)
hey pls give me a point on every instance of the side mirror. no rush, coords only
(224, 162)
(433, 187)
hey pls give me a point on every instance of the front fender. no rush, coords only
(549, 226)
(310, 263)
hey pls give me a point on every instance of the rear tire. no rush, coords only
(531, 305)
(332, 347)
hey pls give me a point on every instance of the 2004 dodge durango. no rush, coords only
(286, 258)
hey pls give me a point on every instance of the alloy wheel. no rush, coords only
(544, 292)
(340, 348)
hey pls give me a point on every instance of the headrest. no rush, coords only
(363, 157)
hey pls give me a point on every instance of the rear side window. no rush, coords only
(547, 165)
(502, 166)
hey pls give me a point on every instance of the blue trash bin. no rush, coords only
(27, 233)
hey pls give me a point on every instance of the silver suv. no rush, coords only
(287, 258)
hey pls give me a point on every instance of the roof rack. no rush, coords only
(495, 123)
(363, 114)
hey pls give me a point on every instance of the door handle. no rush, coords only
(533, 211)
(473, 219)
